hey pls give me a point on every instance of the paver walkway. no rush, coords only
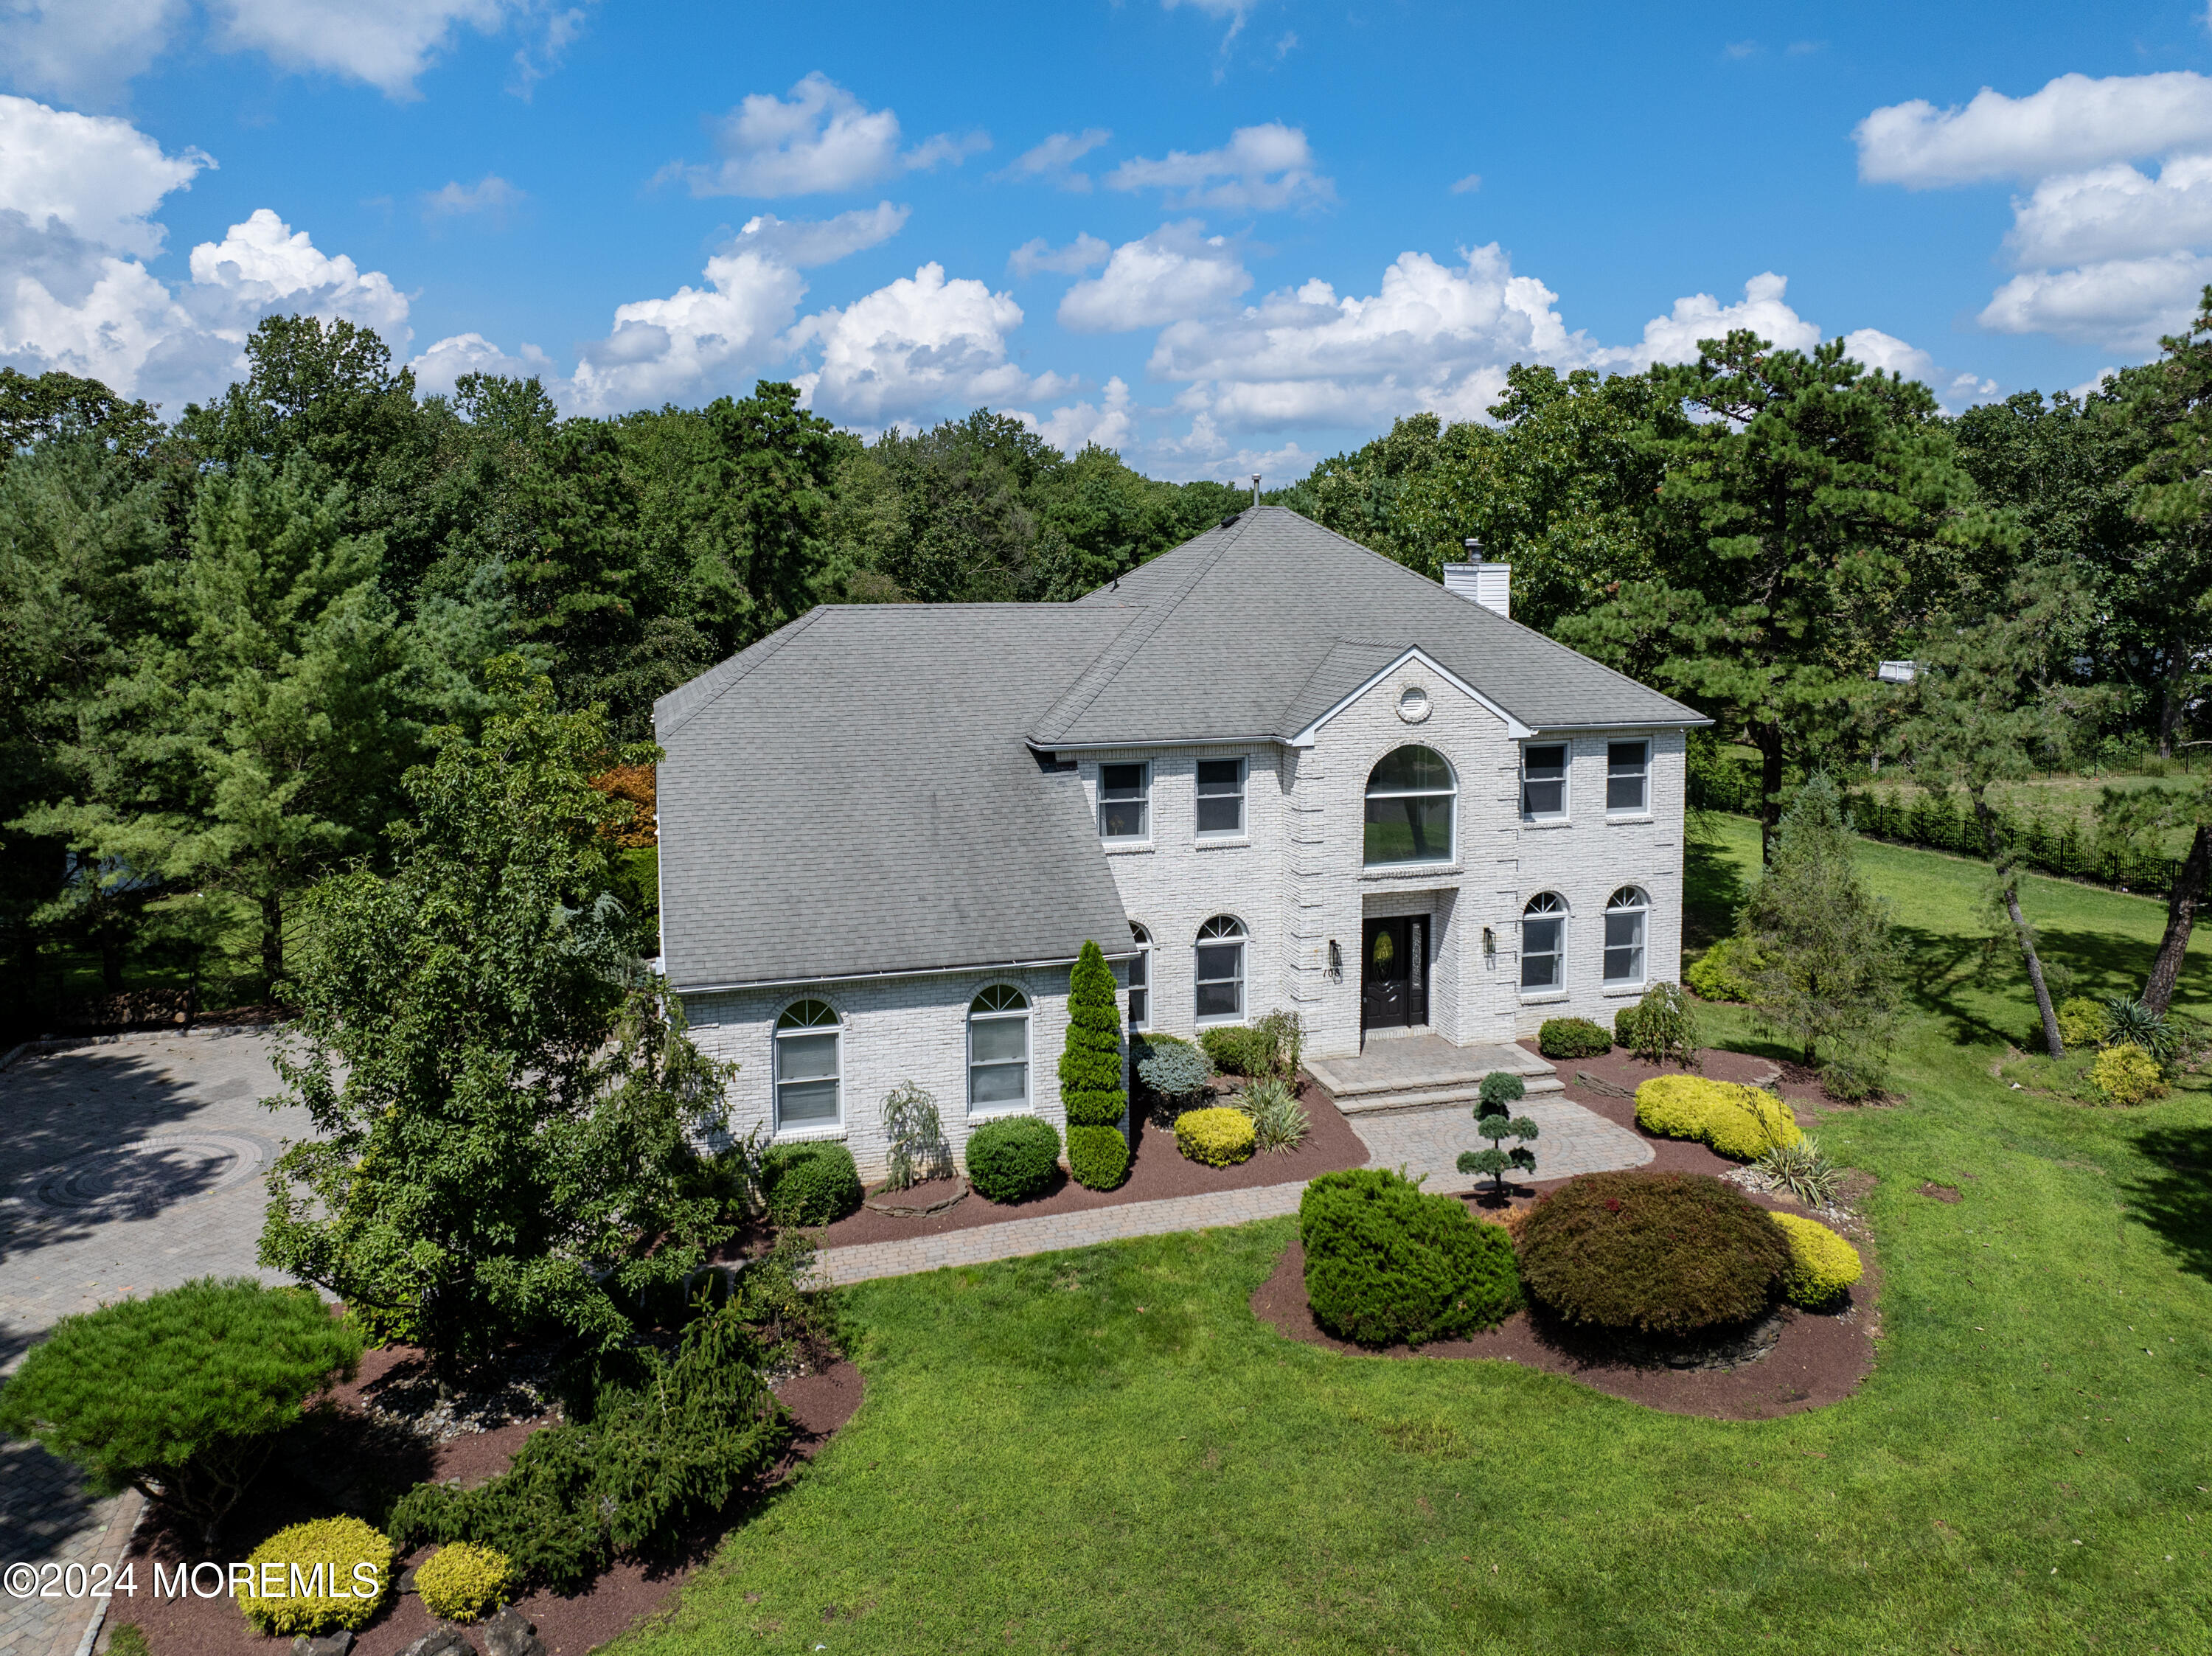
(125, 1166)
(1571, 1140)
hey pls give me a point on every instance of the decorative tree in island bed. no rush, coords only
(1091, 1075)
(1494, 1121)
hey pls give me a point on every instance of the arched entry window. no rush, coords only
(808, 1037)
(1221, 961)
(1410, 796)
(1140, 979)
(1544, 942)
(1626, 913)
(997, 1051)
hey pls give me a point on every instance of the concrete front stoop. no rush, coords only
(1423, 1072)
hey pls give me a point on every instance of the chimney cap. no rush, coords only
(1473, 549)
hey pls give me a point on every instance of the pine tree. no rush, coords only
(1090, 1087)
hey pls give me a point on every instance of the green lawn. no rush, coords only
(1104, 1452)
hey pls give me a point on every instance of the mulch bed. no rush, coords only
(1157, 1170)
(349, 1454)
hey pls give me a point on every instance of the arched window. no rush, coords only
(1410, 796)
(997, 1051)
(1544, 942)
(1626, 913)
(807, 1067)
(1220, 996)
(1140, 979)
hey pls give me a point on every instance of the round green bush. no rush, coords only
(1572, 1037)
(342, 1567)
(810, 1184)
(1387, 1263)
(463, 1582)
(1237, 1051)
(1098, 1157)
(1013, 1159)
(1654, 1252)
(1173, 1070)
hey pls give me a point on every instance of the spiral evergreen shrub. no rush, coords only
(1822, 1265)
(1652, 1252)
(1090, 1063)
(809, 1184)
(1387, 1263)
(1098, 1157)
(1219, 1137)
(1013, 1159)
(1572, 1037)
(332, 1573)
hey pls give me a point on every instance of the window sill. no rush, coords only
(1220, 841)
(1218, 1023)
(1124, 847)
(1000, 1114)
(1622, 990)
(1413, 870)
(1544, 998)
(824, 1135)
(1629, 816)
(1547, 822)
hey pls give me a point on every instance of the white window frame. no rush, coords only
(1232, 929)
(1449, 792)
(1144, 803)
(1630, 902)
(1198, 807)
(1001, 1012)
(1641, 774)
(1565, 779)
(778, 1032)
(1556, 909)
(1140, 979)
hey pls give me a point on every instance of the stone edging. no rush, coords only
(909, 1211)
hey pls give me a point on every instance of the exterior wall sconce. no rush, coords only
(1335, 960)
(1489, 947)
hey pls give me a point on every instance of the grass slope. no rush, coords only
(1103, 1452)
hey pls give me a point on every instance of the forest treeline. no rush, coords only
(224, 637)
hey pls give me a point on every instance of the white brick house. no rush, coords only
(1268, 769)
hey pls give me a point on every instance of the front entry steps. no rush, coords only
(1423, 1072)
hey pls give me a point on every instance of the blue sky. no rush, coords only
(1254, 232)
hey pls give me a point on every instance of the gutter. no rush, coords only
(870, 977)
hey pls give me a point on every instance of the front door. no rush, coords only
(1393, 978)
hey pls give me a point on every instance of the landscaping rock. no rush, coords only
(329, 1644)
(510, 1633)
(443, 1641)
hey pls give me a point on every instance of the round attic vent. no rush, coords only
(1413, 705)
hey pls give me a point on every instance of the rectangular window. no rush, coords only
(998, 1062)
(1221, 797)
(1544, 782)
(1624, 947)
(1220, 981)
(806, 1079)
(1539, 952)
(1141, 988)
(1627, 777)
(1125, 802)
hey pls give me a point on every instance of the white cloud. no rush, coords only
(1037, 254)
(1175, 273)
(1472, 181)
(2074, 122)
(821, 140)
(695, 343)
(82, 51)
(437, 369)
(384, 43)
(2126, 303)
(1886, 351)
(918, 343)
(1260, 169)
(804, 243)
(491, 196)
(2114, 212)
(1055, 160)
(1674, 337)
(263, 266)
(1070, 428)
(1235, 10)
(96, 178)
(534, 62)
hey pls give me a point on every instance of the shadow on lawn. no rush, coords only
(1713, 889)
(2172, 1192)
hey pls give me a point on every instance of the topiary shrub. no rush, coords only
(1727, 971)
(463, 1582)
(2127, 1075)
(1572, 1037)
(1500, 1089)
(2082, 1022)
(331, 1574)
(1386, 1262)
(179, 1394)
(1822, 1265)
(1737, 1121)
(1240, 1052)
(1090, 1063)
(809, 1184)
(1652, 1252)
(1013, 1159)
(1098, 1157)
(1219, 1137)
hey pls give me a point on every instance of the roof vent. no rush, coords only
(1489, 585)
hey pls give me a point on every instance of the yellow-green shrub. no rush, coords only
(1822, 1265)
(1217, 1137)
(1737, 1121)
(2127, 1075)
(342, 1567)
(2082, 1022)
(463, 1582)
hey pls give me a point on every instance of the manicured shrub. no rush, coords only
(1174, 1071)
(1652, 1252)
(1240, 1052)
(1219, 1137)
(1280, 1122)
(1665, 1027)
(1500, 1089)
(1727, 971)
(1386, 1262)
(1737, 1121)
(809, 1184)
(1098, 1157)
(1572, 1037)
(463, 1582)
(1497, 1159)
(2127, 1075)
(1013, 1159)
(1090, 1063)
(1822, 1265)
(178, 1394)
(2082, 1022)
(331, 1574)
